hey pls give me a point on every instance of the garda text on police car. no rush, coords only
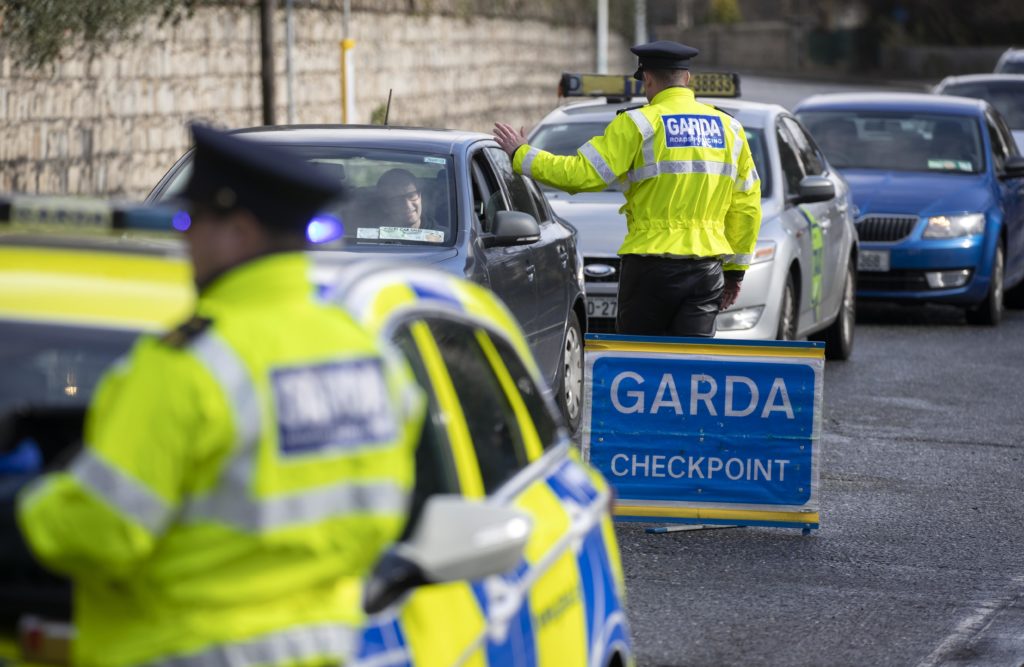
(699, 429)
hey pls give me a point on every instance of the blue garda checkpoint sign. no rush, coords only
(697, 430)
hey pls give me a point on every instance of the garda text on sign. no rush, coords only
(706, 429)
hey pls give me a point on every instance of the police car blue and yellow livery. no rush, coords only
(563, 605)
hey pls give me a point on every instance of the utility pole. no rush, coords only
(640, 20)
(602, 36)
(288, 58)
(267, 59)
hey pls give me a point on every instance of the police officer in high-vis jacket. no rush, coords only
(693, 206)
(240, 473)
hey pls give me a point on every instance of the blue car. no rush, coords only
(939, 185)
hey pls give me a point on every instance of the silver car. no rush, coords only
(802, 280)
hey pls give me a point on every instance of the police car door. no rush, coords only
(510, 270)
(806, 220)
(505, 446)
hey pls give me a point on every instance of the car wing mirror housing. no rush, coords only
(455, 539)
(1014, 167)
(513, 228)
(814, 189)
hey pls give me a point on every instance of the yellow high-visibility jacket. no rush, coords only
(238, 476)
(693, 188)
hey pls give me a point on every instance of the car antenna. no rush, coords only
(387, 110)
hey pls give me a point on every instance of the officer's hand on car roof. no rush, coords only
(508, 138)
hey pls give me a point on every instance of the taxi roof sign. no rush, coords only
(624, 87)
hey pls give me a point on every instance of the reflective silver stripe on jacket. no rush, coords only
(125, 495)
(738, 136)
(683, 167)
(589, 151)
(646, 131)
(743, 260)
(231, 500)
(746, 184)
(531, 155)
(332, 643)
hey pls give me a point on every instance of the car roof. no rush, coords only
(894, 101)
(58, 280)
(408, 138)
(979, 78)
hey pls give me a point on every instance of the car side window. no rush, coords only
(487, 196)
(541, 410)
(518, 191)
(1008, 139)
(435, 469)
(1000, 149)
(500, 450)
(791, 166)
(544, 215)
(806, 152)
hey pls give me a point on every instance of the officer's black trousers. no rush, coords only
(669, 296)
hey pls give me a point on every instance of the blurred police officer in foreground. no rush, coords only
(693, 207)
(239, 473)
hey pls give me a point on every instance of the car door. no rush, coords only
(501, 443)
(1011, 195)
(550, 262)
(510, 270)
(829, 218)
(802, 223)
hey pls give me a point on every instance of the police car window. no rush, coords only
(487, 195)
(492, 423)
(792, 170)
(755, 139)
(55, 366)
(517, 189)
(435, 469)
(898, 140)
(394, 197)
(805, 150)
(539, 407)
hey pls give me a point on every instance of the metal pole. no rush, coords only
(640, 18)
(267, 59)
(602, 36)
(289, 47)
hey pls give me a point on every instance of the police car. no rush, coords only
(510, 556)
(802, 278)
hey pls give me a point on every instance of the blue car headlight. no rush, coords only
(954, 226)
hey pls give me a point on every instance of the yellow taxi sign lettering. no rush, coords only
(622, 86)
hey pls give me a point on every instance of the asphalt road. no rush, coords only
(920, 557)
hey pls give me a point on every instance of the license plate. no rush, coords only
(873, 260)
(602, 306)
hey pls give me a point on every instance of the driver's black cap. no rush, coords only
(662, 54)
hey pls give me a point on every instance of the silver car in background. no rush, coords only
(802, 281)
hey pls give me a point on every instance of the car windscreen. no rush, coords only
(566, 139)
(53, 365)
(394, 197)
(1006, 96)
(897, 140)
(1012, 66)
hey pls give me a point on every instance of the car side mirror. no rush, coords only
(1014, 167)
(814, 189)
(513, 228)
(455, 539)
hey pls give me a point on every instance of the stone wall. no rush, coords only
(111, 125)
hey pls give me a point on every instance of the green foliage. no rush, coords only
(725, 11)
(377, 115)
(39, 31)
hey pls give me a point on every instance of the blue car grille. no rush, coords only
(892, 281)
(885, 227)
